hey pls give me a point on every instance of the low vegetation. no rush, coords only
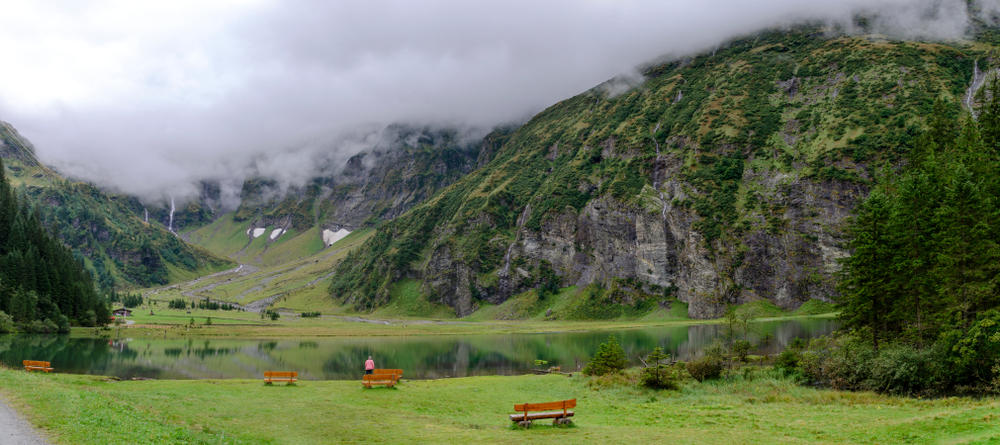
(761, 407)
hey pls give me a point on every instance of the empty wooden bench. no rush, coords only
(280, 376)
(34, 365)
(549, 410)
(397, 372)
(387, 379)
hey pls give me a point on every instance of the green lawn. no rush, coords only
(767, 409)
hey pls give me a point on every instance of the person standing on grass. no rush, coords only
(369, 365)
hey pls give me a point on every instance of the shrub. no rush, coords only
(787, 361)
(310, 314)
(610, 358)
(270, 313)
(6, 323)
(89, 318)
(179, 303)
(46, 326)
(708, 367)
(971, 355)
(657, 374)
(901, 369)
(740, 349)
(62, 324)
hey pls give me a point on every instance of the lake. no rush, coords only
(421, 357)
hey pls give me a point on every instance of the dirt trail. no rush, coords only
(14, 430)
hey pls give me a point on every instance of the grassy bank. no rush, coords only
(249, 325)
(765, 409)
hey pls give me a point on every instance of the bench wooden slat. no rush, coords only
(281, 376)
(36, 365)
(547, 410)
(396, 372)
(387, 379)
(571, 403)
(541, 415)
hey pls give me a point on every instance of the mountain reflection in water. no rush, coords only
(421, 357)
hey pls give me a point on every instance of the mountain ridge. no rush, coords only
(723, 178)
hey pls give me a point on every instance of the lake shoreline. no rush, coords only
(306, 328)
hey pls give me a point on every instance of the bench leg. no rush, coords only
(562, 421)
(524, 424)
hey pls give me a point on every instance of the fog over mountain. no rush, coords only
(150, 97)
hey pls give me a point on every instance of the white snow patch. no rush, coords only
(276, 233)
(258, 232)
(330, 237)
(249, 229)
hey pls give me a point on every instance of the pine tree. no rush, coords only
(867, 273)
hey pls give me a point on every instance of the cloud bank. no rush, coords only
(150, 97)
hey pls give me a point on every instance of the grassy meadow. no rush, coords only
(760, 407)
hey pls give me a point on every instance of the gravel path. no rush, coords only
(14, 430)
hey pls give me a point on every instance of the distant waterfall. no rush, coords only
(170, 224)
(146, 218)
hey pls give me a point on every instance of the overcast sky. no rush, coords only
(150, 96)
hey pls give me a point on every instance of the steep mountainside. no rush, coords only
(723, 178)
(403, 167)
(119, 247)
(43, 288)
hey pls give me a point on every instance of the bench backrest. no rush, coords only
(281, 373)
(37, 363)
(397, 372)
(377, 376)
(562, 404)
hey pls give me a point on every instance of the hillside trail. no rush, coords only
(14, 430)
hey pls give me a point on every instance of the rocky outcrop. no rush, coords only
(655, 242)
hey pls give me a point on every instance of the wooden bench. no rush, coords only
(387, 379)
(549, 410)
(34, 365)
(280, 376)
(397, 372)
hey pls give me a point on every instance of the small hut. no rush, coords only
(122, 312)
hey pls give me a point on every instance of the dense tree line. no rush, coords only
(926, 243)
(919, 293)
(43, 287)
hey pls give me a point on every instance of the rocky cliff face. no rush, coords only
(403, 167)
(724, 178)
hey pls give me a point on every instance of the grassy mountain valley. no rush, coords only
(791, 236)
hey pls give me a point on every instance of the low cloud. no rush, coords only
(151, 97)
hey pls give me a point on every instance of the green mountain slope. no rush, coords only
(722, 178)
(273, 224)
(120, 248)
(43, 288)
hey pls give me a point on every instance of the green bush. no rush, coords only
(708, 367)
(741, 349)
(901, 369)
(971, 355)
(787, 361)
(6, 323)
(46, 326)
(656, 374)
(610, 358)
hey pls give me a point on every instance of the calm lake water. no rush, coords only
(421, 357)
